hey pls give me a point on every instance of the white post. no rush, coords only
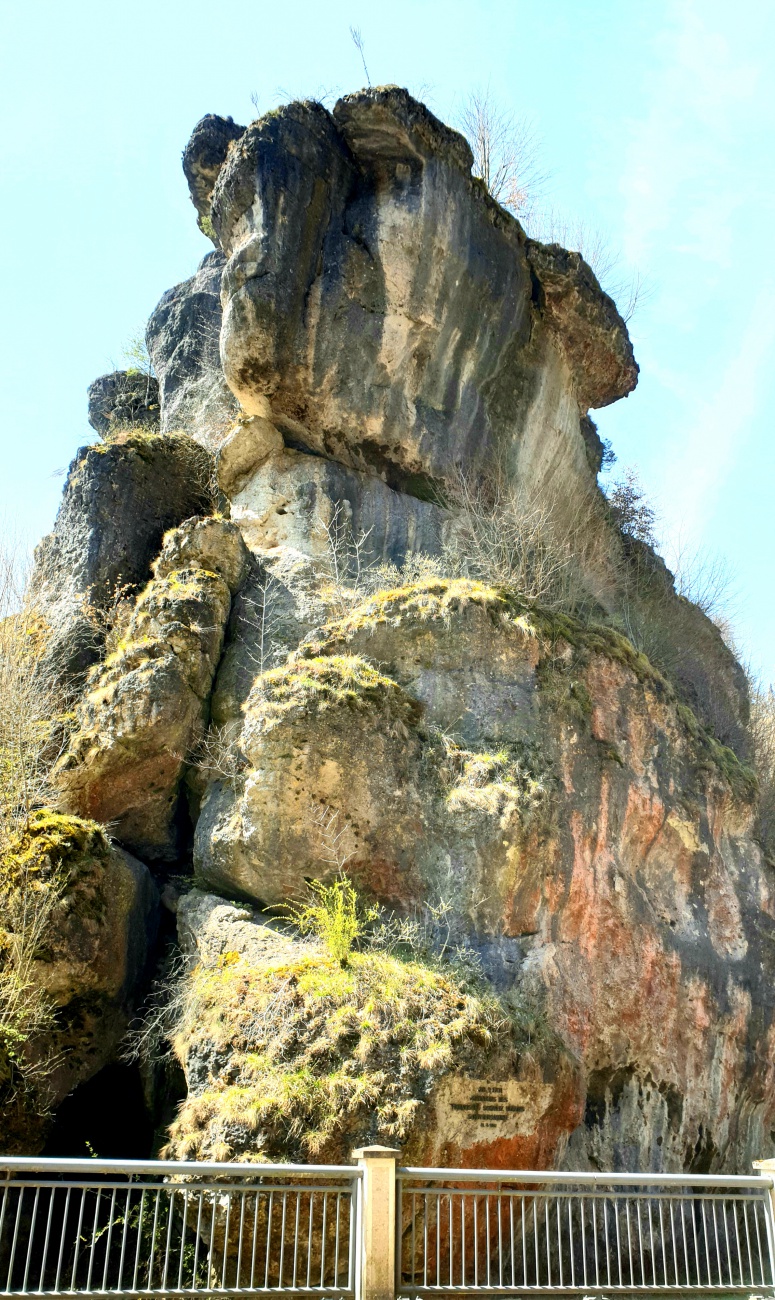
(378, 1232)
(767, 1170)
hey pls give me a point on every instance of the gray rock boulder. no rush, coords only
(119, 500)
(123, 399)
(145, 709)
(182, 339)
(203, 158)
(392, 314)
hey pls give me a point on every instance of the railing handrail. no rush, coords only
(759, 1182)
(88, 1165)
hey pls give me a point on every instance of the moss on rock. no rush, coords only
(306, 1056)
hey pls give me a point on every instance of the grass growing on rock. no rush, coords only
(55, 861)
(325, 681)
(567, 646)
(306, 1056)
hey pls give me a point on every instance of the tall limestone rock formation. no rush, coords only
(401, 635)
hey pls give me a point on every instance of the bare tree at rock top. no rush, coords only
(505, 152)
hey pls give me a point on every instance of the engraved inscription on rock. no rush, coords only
(482, 1110)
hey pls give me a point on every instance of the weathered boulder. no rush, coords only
(182, 338)
(390, 1049)
(97, 913)
(145, 709)
(386, 306)
(123, 399)
(309, 503)
(119, 500)
(589, 834)
(203, 157)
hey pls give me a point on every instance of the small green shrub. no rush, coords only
(334, 914)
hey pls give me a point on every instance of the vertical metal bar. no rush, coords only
(618, 1242)
(242, 1235)
(687, 1273)
(111, 1216)
(524, 1245)
(139, 1240)
(19, 1200)
(594, 1236)
(476, 1244)
(183, 1240)
(675, 1251)
(451, 1236)
(309, 1242)
(640, 1241)
(61, 1238)
(197, 1241)
(153, 1238)
(462, 1241)
(707, 1243)
(168, 1242)
(425, 1239)
(269, 1237)
(124, 1236)
(93, 1238)
(715, 1238)
(499, 1204)
(414, 1242)
(584, 1239)
(213, 1211)
(487, 1234)
(336, 1238)
(726, 1239)
(571, 1247)
(548, 1241)
(282, 1240)
(295, 1239)
(33, 1225)
(758, 1243)
(629, 1239)
(42, 1274)
(559, 1240)
(696, 1244)
(605, 1239)
(226, 1240)
(737, 1241)
(78, 1239)
(511, 1229)
(662, 1240)
(651, 1244)
(748, 1240)
(438, 1238)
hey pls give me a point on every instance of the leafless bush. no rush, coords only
(763, 746)
(31, 738)
(707, 580)
(630, 291)
(30, 731)
(526, 544)
(505, 152)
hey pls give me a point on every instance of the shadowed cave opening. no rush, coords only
(107, 1117)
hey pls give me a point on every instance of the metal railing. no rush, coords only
(491, 1231)
(99, 1227)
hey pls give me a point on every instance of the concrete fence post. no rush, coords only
(378, 1224)
(767, 1170)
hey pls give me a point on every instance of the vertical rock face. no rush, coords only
(390, 312)
(118, 501)
(182, 338)
(372, 331)
(144, 710)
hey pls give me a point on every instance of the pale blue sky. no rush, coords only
(657, 120)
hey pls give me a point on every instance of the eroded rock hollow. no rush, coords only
(378, 623)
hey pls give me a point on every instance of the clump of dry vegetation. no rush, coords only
(37, 846)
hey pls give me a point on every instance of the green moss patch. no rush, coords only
(312, 1056)
(429, 599)
(328, 681)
